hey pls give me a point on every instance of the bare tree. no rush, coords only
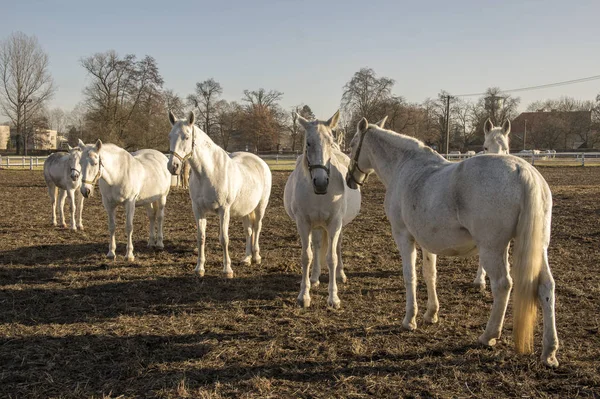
(119, 89)
(173, 102)
(364, 94)
(205, 100)
(262, 122)
(25, 81)
(295, 128)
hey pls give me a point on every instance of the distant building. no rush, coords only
(4, 136)
(42, 139)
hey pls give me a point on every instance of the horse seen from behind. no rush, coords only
(459, 209)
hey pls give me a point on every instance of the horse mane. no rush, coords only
(410, 146)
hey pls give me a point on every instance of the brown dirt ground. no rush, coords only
(74, 325)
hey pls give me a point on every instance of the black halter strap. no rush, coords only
(93, 182)
(188, 156)
(354, 164)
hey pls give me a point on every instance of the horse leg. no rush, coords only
(319, 247)
(62, 196)
(479, 281)
(224, 238)
(201, 237)
(150, 212)
(334, 231)
(495, 263)
(341, 276)
(408, 253)
(305, 233)
(111, 210)
(80, 211)
(53, 193)
(430, 277)
(159, 215)
(258, 217)
(546, 295)
(71, 195)
(246, 220)
(129, 212)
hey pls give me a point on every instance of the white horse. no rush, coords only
(229, 185)
(317, 199)
(496, 138)
(137, 179)
(496, 142)
(63, 178)
(459, 209)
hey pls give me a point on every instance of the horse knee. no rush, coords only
(503, 284)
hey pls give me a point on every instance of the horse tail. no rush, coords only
(528, 248)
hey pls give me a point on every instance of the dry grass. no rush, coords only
(73, 325)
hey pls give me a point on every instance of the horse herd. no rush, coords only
(476, 206)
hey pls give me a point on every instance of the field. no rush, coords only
(74, 325)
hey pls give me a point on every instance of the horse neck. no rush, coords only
(114, 165)
(390, 153)
(208, 159)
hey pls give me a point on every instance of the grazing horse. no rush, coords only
(62, 173)
(229, 185)
(496, 138)
(137, 179)
(496, 142)
(317, 199)
(459, 209)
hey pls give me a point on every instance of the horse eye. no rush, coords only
(307, 144)
(485, 148)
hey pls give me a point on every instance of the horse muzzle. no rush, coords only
(350, 182)
(75, 176)
(86, 191)
(174, 167)
(320, 186)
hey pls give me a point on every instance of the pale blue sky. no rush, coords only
(309, 50)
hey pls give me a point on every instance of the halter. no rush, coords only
(354, 163)
(75, 170)
(313, 167)
(185, 158)
(93, 182)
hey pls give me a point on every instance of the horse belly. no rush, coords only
(448, 242)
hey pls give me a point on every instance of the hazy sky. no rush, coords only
(309, 50)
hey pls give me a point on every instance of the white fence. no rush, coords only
(542, 159)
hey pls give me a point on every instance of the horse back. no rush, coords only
(152, 167)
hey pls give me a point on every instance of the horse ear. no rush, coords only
(333, 121)
(81, 144)
(488, 126)
(302, 121)
(98, 144)
(381, 123)
(506, 127)
(69, 147)
(191, 118)
(363, 125)
(171, 117)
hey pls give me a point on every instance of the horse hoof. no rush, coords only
(487, 341)
(342, 279)
(550, 361)
(150, 244)
(80, 227)
(160, 246)
(111, 256)
(54, 224)
(334, 304)
(409, 325)
(257, 260)
(74, 228)
(130, 258)
(304, 302)
(479, 286)
(64, 226)
(430, 318)
(229, 275)
(315, 284)
(199, 273)
(247, 261)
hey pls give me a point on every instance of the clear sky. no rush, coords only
(309, 49)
